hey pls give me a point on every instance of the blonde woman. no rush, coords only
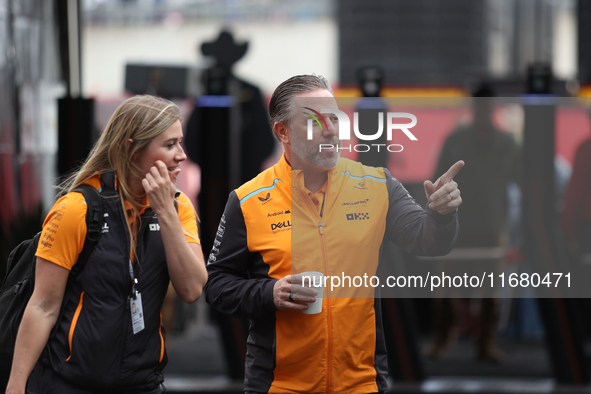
(110, 337)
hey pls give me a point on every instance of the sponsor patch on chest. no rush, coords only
(358, 216)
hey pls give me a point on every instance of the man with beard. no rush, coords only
(342, 348)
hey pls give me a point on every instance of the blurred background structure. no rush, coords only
(65, 65)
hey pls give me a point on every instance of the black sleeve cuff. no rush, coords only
(269, 299)
(440, 219)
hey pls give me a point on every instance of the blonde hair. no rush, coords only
(140, 119)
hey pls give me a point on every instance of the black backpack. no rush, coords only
(19, 281)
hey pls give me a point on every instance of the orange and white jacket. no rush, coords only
(271, 228)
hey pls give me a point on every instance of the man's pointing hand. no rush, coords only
(444, 195)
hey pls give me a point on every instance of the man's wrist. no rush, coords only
(272, 305)
(443, 219)
(448, 213)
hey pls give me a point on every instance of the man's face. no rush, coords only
(305, 152)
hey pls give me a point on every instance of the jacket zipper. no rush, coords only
(328, 304)
(145, 223)
(126, 314)
(15, 288)
(138, 245)
(328, 309)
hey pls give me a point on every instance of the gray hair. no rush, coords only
(281, 106)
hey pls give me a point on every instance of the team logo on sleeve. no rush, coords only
(221, 231)
(265, 199)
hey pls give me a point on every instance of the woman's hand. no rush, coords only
(186, 265)
(160, 188)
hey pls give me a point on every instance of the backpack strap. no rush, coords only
(94, 223)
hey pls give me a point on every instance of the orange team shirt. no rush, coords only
(64, 229)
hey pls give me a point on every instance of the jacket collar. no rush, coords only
(283, 168)
(297, 176)
(109, 181)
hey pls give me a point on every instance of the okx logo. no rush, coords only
(358, 216)
(393, 122)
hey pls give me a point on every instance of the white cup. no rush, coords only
(315, 279)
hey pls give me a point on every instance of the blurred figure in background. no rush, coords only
(576, 216)
(492, 162)
(370, 80)
(228, 102)
(228, 137)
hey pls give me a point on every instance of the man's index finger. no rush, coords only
(453, 171)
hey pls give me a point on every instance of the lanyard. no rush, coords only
(134, 281)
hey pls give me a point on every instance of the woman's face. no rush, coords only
(166, 148)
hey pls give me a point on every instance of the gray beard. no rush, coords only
(311, 155)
